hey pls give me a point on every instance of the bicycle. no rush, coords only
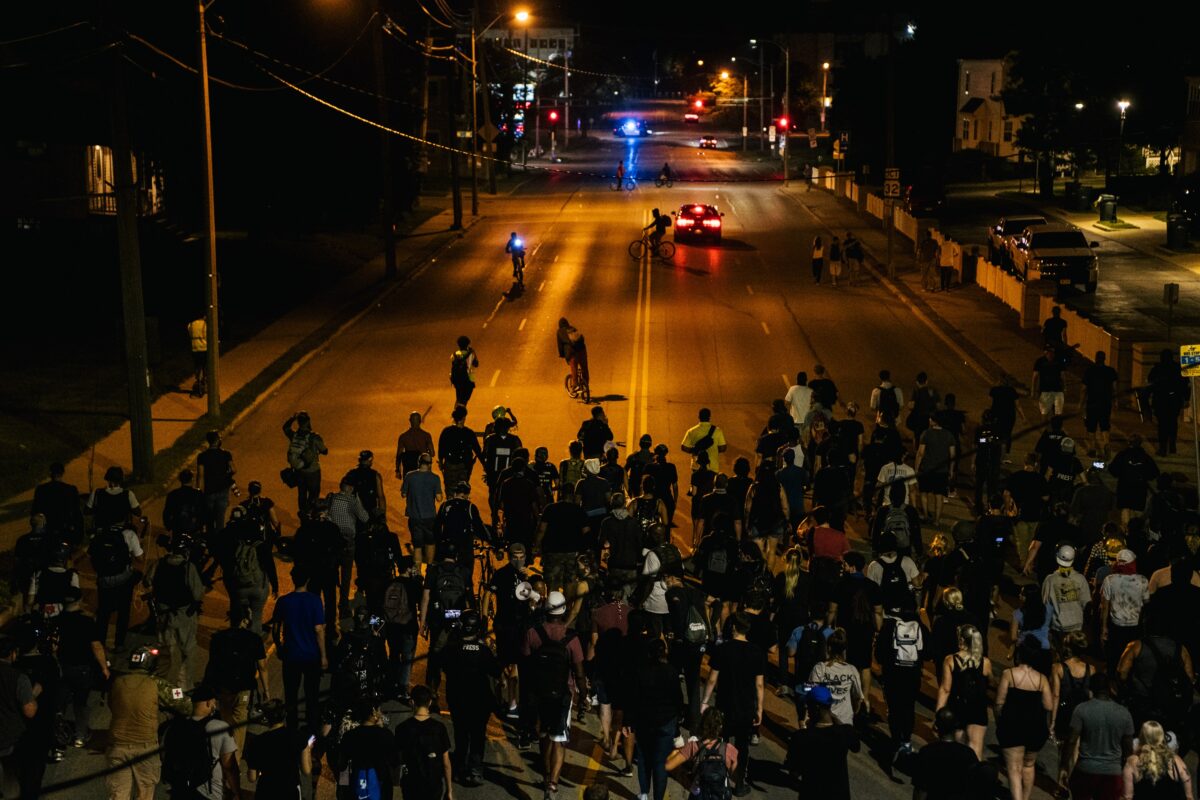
(664, 250)
(663, 180)
(576, 386)
(519, 271)
(626, 183)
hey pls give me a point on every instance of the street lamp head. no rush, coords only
(754, 41)
(1079, 106)
(733, 58)
(724, 74)
(825, 65)
(700, 62)
(1123, 105)
(521, 16)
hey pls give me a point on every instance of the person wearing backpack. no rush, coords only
(463, 363)
(897, 576)
(424, 748)
(376, 554)
(458, 449)
(248, 565)
(199, 753)
(237, 665)
(1123, 594)
(560, 539)
(366, 756)
(901, 520)
(113, 551)
(215, 474)
(552, 673)
(50, 584)
(446, 595)
(736, 669)
(689, 634)
(707, 438)
(1157, 675)
(347, 512)
(621, 537)
(886, 398)
(114, 504)
(184, 510)
(652, 712)
(459, 523)
(305, 448)
(900, 649)
(401, 601)
(177, 589)
(711, 760)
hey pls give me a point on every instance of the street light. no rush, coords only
(787, 91)
(1079, 106)
(1124, 106)
(213, 364)
(824, 91)
(700, 62)
(724, 74)
(521, 16)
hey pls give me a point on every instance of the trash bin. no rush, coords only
(1108, 207)
(1177, 231)
(1084, 199)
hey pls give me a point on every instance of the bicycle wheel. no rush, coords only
(569, 384)
(586, 392)
(630, 184)
(637, 249)
(666, 250)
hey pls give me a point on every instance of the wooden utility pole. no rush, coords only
(386, 188)
(133, 308)
(452, 134)
(212, 372)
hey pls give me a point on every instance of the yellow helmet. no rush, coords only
(939, 545)
(1112, 546)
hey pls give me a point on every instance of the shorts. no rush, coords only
(199, 359)
(554, 717)
(1086, 786)
(1051, 403)
(934, 483)
(421, 531)
(1097, 417)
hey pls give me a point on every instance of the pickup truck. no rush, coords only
(1056, 252)
(1000, 235)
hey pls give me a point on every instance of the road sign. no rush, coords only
(891, 188)
(891, 174)
(489, 132)
(812, 138)
(1171, 293)
(1189, 360)
(771, 134)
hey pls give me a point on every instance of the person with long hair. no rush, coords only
(1069, 680)
(1030, 621)
(708, 738)
(943, 634)
(1023, 702)
(965, 676)
(841, 677)
(791, 595)
(1154, 772)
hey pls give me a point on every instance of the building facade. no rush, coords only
(980, 120)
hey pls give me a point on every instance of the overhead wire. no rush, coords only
(572, 70)
(182, 65)
(420, 47)
(431, 15)
(311, 75)
(44, 34)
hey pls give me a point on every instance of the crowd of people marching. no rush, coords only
(813, 570)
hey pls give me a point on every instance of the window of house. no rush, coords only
(1008, 130)
(975, 131)
(966, 129)
(100, 185)
(992, 91)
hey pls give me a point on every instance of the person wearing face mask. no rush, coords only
(509, 615)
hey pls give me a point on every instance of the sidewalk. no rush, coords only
(247, 373)
(968, 320)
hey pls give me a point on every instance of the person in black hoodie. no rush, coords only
(900, 648)
(687, 642)
(653, 717)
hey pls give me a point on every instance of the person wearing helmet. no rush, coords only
(48, 586)
(516, 248)
(498, 451)
(1066, 593)
(573, 349)
(458, 525)
(177, 589)
(1064, 472)
(499, 412)
(554, 680)
(471, 668)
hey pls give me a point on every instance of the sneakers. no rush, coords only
(754, 738)
(742, 790)
(512, 713)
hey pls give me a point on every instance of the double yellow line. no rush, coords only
(639, 374)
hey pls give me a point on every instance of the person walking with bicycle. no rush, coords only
(516, 248)
(620, 175)
(573, 350)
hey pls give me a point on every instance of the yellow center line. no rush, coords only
(521, 327)
(631, 431)
(645, 389)
(495, 377)
(766, 330)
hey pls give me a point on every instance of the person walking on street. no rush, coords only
(852, 253)
(198, 336)
(113, 504)
(237, 665)
(422, 492)
(411, 445)
(223, 777)
(818, 258)
(471, 668)
(928, 257)
(82, 657)
(215, 473)
(178, 590)
(463, 363)
(1023, 705)
(704, 442)
(1097, 403)
(424, 748)
(837, 261)
(58, 501)
(655, 699)
(114, 552)
(458, 449)
(736, 669)
(963, 682)
(553, 670)
(819, 751)
(368, 483)
(1155, 770)
(298, 629)
(135, 697)
(1169, 393)
(347, 512)
(1101, 741)
(1048, 385)
(305, 448)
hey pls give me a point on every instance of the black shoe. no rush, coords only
(742, 790)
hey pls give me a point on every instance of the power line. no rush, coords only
(565, 68)
(229, 84)
(319, 74)
(429, 14)
(420, 47)
(44, 34)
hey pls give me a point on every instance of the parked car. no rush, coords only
(708, 142)
(1056, 252)
(999, 236)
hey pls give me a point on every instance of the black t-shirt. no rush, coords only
(370, 747)
(275, 755)
(824, 391)
(1028, 490)
(624, 537)
(421, 744)
(715, 502)
(469, 665)
(564, 523)
(769, 444)
(1053, 329)
(846, 435)
(216, 463)
(1100, 381)
(233, 656)
(519, 498)
(503, 587)
(944, 770)
(739, 487)
(763, 633)
(594, 434)
(1049, 375)
(77, 631)
(1004, 403)
(665, 476)
(545, 475)
(614, 474)
(846, 592)
(739, 664)
(818, 755)
(593, 492)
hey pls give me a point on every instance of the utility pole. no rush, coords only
(474, 122)
(141, 429)
(387, 207)
(745, 109)
(452, 102)
(787, 101)
(889, 142)
(212, 318)
(487, 123)
(762, 125)
(567, 92)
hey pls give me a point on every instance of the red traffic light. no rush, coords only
(699, 104)
(554, 116)
(783, 122)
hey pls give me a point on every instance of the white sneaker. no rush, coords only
(678, 742)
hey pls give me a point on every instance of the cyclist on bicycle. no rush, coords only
(516, 246)
(666, 172)
(660, 224)
(573, 350)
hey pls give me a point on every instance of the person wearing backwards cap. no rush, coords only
(818, 751)
(553, 676)
(1122, 595)
(1065, 593)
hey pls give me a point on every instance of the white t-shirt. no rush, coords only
(799, 400)
(656, 602)
(896, 472)
(1125, 595)
(844, 684)
(874, 570)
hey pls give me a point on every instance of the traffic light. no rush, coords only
(699, 104)
(553, 117)
(783, 123)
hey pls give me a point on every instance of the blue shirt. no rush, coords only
(1042, 634)
(301, 612)
(792, 479)
(420, 492)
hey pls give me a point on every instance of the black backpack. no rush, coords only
(457, 521)
(895, 593)
(810, 650)
(109, 553)
(450, 589)
(170, 585)
(645, 511)
(550, 665)
(718, 559)
(459, 372)
(396, 608)
(711, 773)
(889, 404)
(1171, 691)
(187, 756)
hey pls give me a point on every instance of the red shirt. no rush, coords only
(556, 631)
(829, 543)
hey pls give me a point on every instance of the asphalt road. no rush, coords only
(724, 327)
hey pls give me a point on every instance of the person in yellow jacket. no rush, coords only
(198, 333)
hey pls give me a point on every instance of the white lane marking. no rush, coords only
(495, 311)
(495, 377)
(556, 259)
(521, 327)
(749, 289)
(766, 330)
(541, 286)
